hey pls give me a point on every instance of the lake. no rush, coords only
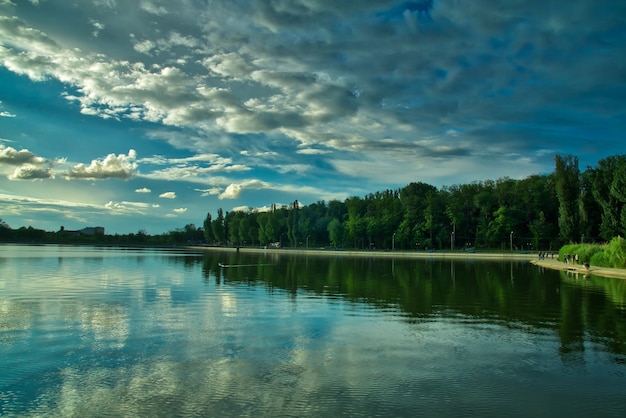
(95, 331)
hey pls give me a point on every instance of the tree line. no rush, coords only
(189, 234)
(540, 212)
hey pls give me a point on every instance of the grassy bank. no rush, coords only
(611, 255)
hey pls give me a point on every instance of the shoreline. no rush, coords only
(579, 269)
(373, 253)
(550, 263)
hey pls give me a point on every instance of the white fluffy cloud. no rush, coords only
(11, 156)
(31, 172)
(213, 191)
(120, 166)
(127, 208)
(168, 195)
(28, 165)
(234, 190)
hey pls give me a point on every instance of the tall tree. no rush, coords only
(618, 190)
(292, 223)
(486, 202)
(208, 229)
(232, 221)
(336, 233)
(567, 177)
(6, 233)
(540, 230)
(356, 225)
(435, 227)
(606, 194)
(218, 227)
(190, 232)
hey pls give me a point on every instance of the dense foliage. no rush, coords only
(539, 212)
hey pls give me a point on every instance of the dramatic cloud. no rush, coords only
(9, 155)
(31, 172)
(112, 166)
(29, 165)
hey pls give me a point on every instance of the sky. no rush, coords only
(149, 114)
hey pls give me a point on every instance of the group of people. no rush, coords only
(544, 255)
(569, 258)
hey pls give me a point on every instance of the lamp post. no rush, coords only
(452, 241)
(511, 240)
(307, 242)
(393, 242)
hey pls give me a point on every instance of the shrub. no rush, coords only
(600, 259)
(567, 249)
(585, 251)
(616, 252)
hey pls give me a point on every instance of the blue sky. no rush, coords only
(148, 114)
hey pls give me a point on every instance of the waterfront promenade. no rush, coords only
(532, 257)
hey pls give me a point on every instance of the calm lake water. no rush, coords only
(88, 331)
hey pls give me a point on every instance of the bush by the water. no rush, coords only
(612, 255)
(585, 252)
(600, 259)
(615, 252)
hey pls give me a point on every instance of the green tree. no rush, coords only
(219, 227)
(208, 229)
(6, 233)
(486, 203)
(618, 190)
(190, 232)
(265, 233)
(435, 227)
(567, 177)
(500, 227)
(244, 229)
(336, 232)
(355, 225)
(292, 223)
(541, 231)
(605, 191)
(232, 220)
(463, 215)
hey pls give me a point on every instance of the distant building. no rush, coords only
(92, 230)
(89, 231)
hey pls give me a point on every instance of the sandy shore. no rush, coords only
(576, 268)
(531, 257)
